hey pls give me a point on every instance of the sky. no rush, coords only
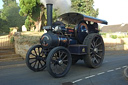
(113, 11)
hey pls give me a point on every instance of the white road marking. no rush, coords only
(101, 73)
(105, 62)
(77, 80)
(90, 76)
(110, 70)
(118, 68)
(124, 66)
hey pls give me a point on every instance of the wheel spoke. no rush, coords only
(62, 68)
(42, 58)
(91, 48)
(32, 54)
(96, 60)
(35, 51)
(38, 65)
(100, 50)
(41, 64)
(91, 53)
(97, 39)
(92, 45)
(61, 54)
(65, 60)
(33, 61)
(64, 57)
(39, 50)
(99, 44)
(32, 58)
(65, 65)
(98, 56)
(56, 68)
(54, 61)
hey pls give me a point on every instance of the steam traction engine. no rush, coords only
(64, 44)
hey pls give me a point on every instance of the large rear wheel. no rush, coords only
(59, 62)
(95, 50)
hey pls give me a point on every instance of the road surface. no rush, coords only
(110, 73)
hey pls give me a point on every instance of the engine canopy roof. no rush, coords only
(75, 18)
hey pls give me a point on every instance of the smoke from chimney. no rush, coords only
(63, 6)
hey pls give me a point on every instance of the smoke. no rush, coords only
(63, 6)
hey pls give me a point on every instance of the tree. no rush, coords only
(35, 12)
(10, 15)
(85, 7)
(3, 26)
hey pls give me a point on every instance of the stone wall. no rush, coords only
(110, 44)
(21, 49)
(116, 44)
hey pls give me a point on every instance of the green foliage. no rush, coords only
(12, 39)
(27, 7)
(34, 11)
(85, 7)
(103, 33)
(29, 23)
(113, 36)
(10, 16)
(3, 26)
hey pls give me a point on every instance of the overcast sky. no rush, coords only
(114, 11)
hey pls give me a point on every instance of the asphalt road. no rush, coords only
(110, 73)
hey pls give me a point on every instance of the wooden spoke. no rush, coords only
(35, 52)
(32, 54)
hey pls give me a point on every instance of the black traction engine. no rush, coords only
(73, 37)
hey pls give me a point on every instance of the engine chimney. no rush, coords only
(49, 14)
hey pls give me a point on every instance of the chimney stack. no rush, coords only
(49, 14)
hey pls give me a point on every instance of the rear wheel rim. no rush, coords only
(96, 50)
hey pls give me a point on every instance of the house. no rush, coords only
(119, 28)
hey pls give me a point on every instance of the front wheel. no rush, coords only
(36, 58)
(59, 62)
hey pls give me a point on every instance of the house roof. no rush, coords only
(115, 28)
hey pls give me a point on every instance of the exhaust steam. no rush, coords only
(63, 6)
